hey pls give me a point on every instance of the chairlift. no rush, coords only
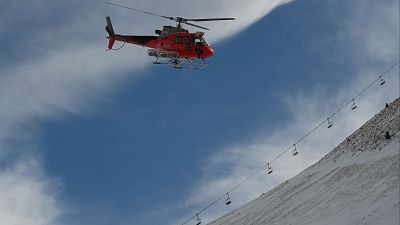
(382, 80)
(330, 124)
(228, 200)
(353, 106)
(198, 219)
(269, 169)
(295, 152)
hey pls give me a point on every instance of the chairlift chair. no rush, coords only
(198, 219)
(295, 152)
(228, 200)
(269, 169)
(330, 124)
(353, 106)
(382, 80)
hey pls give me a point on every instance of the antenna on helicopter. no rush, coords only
(179, 20)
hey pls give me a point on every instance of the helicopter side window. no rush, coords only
(179, 40)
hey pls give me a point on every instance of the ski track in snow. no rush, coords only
(357, 183)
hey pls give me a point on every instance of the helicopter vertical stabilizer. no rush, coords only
(111, 43)
(110, 32)
(109, 27)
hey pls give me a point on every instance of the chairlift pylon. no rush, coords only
(382, 80)
(353, 106)
(269, 169)
(295, 152)
(228, 200)
(330, 124)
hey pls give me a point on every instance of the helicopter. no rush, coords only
(173, 44)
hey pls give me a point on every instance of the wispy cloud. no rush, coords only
(230, 166)
(371, 36)
(27, 195)
(60, 67)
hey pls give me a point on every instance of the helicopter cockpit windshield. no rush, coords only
(199, 41)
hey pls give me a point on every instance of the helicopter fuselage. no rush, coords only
(171, 41)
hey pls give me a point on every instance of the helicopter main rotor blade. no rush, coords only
(209, 19)
(179, 20)
(194, 25)
(149, 13)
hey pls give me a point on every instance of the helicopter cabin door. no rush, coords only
(188, 44)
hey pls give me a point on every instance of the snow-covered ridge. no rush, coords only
(371, 136)
(357, 183)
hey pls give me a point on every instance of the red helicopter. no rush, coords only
(181, 48)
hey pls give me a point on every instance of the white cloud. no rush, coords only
(63, 68)
(64, 80)
(372, 30)
(228, 167)
(245, 13)
(374, 36)
(27, 196)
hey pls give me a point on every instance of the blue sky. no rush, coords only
(106, 137)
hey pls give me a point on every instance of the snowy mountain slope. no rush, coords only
(355, 184)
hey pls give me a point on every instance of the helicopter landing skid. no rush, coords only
(180, 63)
(190, 64)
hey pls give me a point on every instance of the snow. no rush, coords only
(357, 183)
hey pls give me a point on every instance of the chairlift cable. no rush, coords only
(346, 104)
(382, 75)
(366, 88)
(301, 139)
(248, 178)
